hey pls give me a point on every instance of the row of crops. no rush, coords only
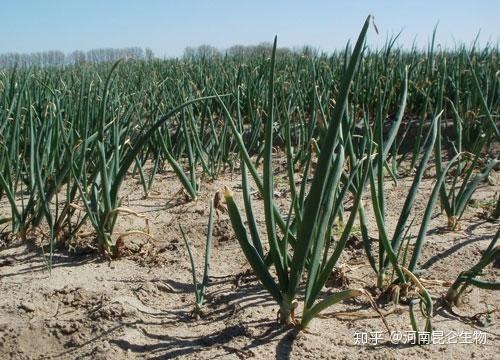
(69, 136)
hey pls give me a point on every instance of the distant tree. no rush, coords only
(77, 57)
(237, 51)
(260, 50)
(202, 52)
(207, 52)
(149, 54)
(308, 51)
(189, 53)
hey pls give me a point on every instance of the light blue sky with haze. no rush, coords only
(167, 27)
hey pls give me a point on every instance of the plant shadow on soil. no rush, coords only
(152, 293)
(171, 346)
(221, 306)
(39, 259)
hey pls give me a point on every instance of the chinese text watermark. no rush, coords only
(421, 337)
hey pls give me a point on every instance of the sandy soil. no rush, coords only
(139, 306)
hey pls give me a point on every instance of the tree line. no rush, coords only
(244, 51)
(77, 57)
(103, 55)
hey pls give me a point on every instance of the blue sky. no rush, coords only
(169, 26)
